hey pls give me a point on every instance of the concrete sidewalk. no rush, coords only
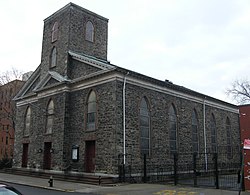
(123, 189)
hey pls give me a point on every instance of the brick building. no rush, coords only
(7, 117)
(245, 134)
(80, 112)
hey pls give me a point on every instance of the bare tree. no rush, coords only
(10, 75)
(240, 91)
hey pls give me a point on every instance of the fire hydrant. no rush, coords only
(50, 181)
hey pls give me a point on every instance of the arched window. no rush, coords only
(144, 126)
(229, 138)
(53, 56)
(54, 34)
(89, 31)
(50, 117)
(91, 115)
(213, 134)
(172, 129)
(195, 133)
(27, 122)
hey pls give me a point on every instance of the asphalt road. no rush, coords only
(27, 190)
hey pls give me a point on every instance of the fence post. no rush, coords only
(175, 169)
(194, 169)
(145, 168)
(216, 173)
(121, 168)
(120, 173)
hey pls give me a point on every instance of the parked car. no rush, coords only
(8, 190)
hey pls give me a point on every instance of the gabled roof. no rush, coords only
(105, 67)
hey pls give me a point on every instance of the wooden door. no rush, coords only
(25, 155)
(90, 156)
(47, 155)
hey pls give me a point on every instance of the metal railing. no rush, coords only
(217, 170)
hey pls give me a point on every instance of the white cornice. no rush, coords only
(84, 84)
(91, 61)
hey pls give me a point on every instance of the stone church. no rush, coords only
(79, 112)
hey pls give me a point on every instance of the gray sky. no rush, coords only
(203, 45)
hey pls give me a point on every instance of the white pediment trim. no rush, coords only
(91, 61)
(49, 75)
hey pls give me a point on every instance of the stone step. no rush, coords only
(71, 177)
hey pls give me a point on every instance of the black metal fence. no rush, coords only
(217, 170)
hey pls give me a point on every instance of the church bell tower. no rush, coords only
(72, 28)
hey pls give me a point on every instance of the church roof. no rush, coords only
(91, 60)
(106, 67)
(74, 6)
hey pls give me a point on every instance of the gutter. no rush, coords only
(124, 117)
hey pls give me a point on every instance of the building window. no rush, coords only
(54, 33)
(229, 138)
(53, 56)
(213, 135)
(172, 129)
(145, 126)
(89, 32)
(195, 133)
(27, 122)
(50, 117)
(91, 115)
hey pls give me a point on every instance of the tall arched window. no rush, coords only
(229, 138)
(53, 57)
(195, 133)
(54, 33)
(91, 115)
(50, 117)
(213, 134)
(27, 122)
(172, 129)
(145, 126)
(89, 31)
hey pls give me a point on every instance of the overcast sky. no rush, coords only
(203, 45)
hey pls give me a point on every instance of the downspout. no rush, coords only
(124, 117)
(204, 131)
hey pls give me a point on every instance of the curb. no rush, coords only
(38, 186)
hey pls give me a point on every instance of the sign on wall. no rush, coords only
(246, 144)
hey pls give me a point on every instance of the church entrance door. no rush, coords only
(90, 156)
(47, 155)
(25, 155)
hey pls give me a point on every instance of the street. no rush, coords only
(27, 190)
(122, 190)
(39, 186)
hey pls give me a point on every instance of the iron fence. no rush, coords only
(217, 170)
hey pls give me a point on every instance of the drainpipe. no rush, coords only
(204, 131)
(124, 117)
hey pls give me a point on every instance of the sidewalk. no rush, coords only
(123, 189)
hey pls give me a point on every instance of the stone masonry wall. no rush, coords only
(105, 127)
(37, 136)
(159, 104)
(71, 36)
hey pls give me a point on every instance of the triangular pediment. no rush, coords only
(35, 83)
(51, 78)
